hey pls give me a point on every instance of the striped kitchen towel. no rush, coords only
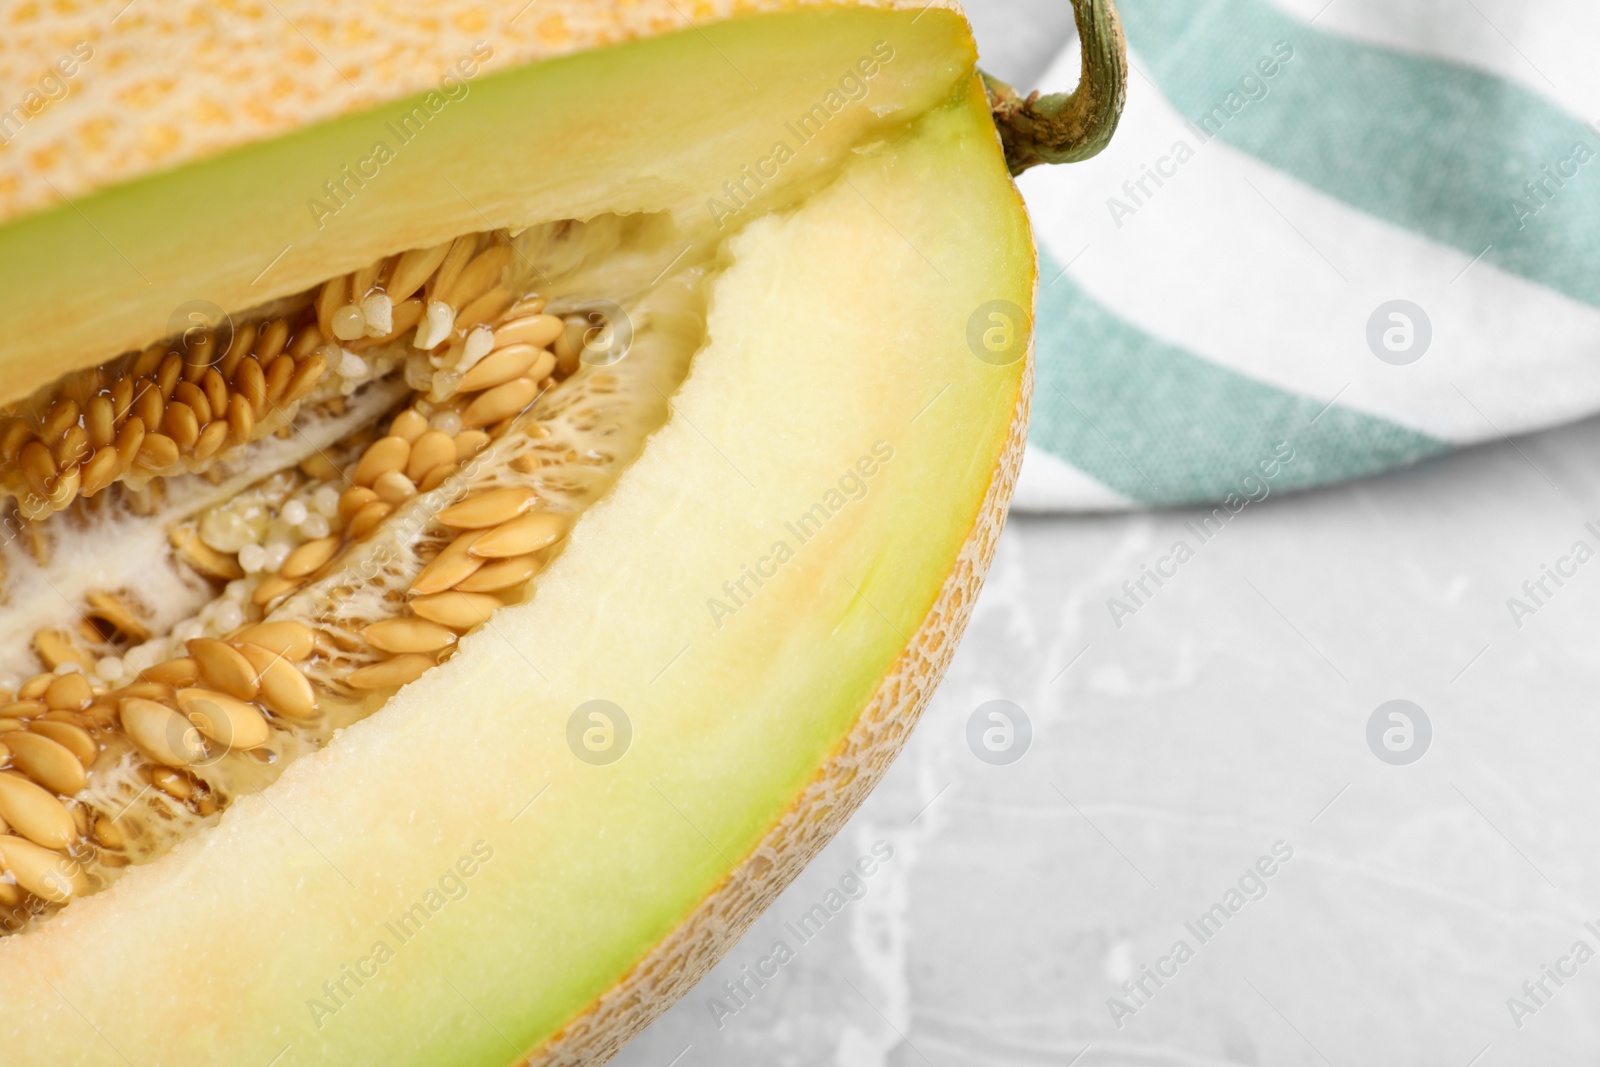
(1355, 233)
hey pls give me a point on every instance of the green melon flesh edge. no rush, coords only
(658, 125)
(839, 328)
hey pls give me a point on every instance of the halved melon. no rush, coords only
(443, 606)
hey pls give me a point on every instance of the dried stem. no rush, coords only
(1067, 127)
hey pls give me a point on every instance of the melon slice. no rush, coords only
(440, 649)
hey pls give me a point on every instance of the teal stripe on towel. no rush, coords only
(1435, 147)
(1164, 426)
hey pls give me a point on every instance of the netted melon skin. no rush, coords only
(153, 86)
(854, 769)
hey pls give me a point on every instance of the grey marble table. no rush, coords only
(1208, 773)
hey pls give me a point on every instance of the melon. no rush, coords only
(486, 492)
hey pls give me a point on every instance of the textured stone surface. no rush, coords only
(1228, 713)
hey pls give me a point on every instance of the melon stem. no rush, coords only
(1067, 127)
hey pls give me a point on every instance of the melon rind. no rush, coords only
(659, 125)
(112, 91)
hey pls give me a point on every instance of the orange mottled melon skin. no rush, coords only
(96, 94)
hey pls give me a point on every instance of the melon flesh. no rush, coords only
(445, 883)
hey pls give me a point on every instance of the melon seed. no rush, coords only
(393, 487)
(500, 575)
(66, 489)
(408, 635)
(69, 692)
(353, 499)
(211, 440)
(491, 305)
(55, 648)
(477, 277)
(436, 477)
(34, 813)
(448, 568)
(172, 783)
(36, 687)
(284, 689)
(222, 665)
(469, 443)
(499, 367)
(100, 471)
(106, 833)
(182, 424)
(309, 557)
(428, 451)
(537, 330)
(409, 424)
(307, 373)
(157, 452)
(157, 691)
(524, 534)
(241, 419)
(501, 402)
(385, 454)
(43, 873)
(50, 764)
(63, 413)
(391, 673)
(110, 610)
(367, 519)
(458, 610)
(226, 720)
(70, 736)
(278, 373)
(174, 672)
(193, 397)
(161, 733)
(272, 587)
(413, 268)
(205, 559)
(285, 637)
(489, 508)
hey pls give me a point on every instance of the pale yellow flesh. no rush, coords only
(836, 328)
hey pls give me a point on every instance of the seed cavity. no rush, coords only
(322, 574)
